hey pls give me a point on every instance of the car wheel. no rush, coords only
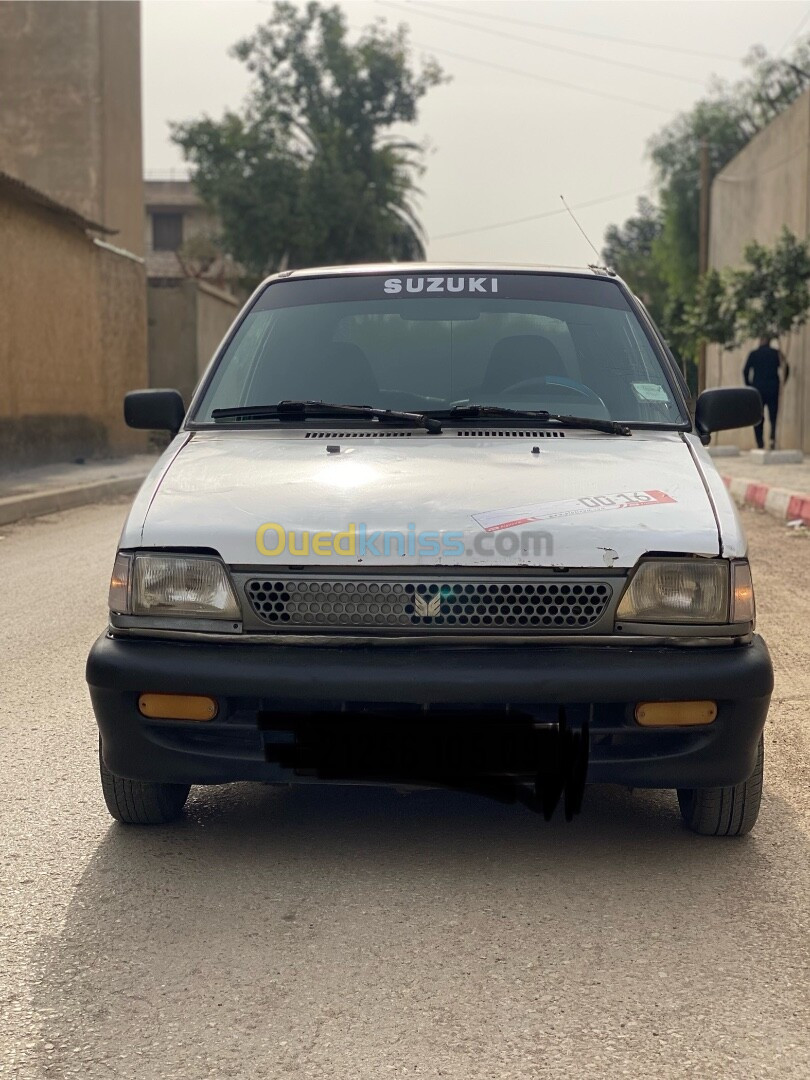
(138, 802)
(724, 811)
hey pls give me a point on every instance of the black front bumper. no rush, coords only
(269, 695)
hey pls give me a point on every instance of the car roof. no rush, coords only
(450, 266)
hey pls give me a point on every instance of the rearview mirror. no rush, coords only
(155, 410)
(725, 408)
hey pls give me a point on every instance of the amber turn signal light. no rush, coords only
(177, 707)
(675, 713)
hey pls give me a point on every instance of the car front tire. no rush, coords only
(725, 811)
(138, 802)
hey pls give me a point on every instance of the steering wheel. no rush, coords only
(531, 386)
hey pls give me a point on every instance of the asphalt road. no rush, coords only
(359, 933)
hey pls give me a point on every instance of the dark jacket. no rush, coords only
(762, 368)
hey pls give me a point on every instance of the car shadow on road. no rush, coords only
(268, 914)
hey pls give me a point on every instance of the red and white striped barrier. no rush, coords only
(778, 502)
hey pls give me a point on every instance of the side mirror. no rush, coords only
(725, 408)
(156, 410)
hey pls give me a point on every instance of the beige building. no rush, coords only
(765, 187)
(193, 294)
(182, 236)
(70, 107)
(72, 332)
(72, 277)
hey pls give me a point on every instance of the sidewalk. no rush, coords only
(28, 493)
(780, 490)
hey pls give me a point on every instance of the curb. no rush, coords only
(778, 502)
(17, 507)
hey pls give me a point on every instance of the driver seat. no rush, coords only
(520, 357)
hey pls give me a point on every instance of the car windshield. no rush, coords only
(428, 342)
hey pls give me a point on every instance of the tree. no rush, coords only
(629, 250)
(728, 118)
(772, 294)
(632, 250)
(712, 316)
(769, 295)
(309, 171)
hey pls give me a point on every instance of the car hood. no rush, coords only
(576, 500)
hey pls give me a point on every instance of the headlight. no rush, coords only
(677, 591)
(179, 585)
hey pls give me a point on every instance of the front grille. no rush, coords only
(445, 606)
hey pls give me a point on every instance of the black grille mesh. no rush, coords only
(445, 605)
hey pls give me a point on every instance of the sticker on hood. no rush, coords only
(510, 518)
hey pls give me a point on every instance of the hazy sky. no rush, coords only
(506, 137)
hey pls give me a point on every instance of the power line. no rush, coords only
(795, 33)
(596, 92)
(535, 217)
(539, 44)
(589, 34)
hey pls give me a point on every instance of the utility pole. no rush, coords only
(703, 243)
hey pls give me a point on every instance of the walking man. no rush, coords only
(762, 369)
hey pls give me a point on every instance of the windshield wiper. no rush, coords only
(611, 427)
(301, 410)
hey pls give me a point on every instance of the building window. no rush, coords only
(167, 232)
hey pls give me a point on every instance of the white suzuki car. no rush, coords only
(436, 526)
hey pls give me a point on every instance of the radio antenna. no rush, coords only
(571, 212)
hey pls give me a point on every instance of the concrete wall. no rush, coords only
(72, 339)
(187, 320)
(123, 362)
(765, 187)
(119, 27)
(70, 107)
(173, 336)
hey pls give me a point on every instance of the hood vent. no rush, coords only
(486, 433)
(358, 434)
(510, 433)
